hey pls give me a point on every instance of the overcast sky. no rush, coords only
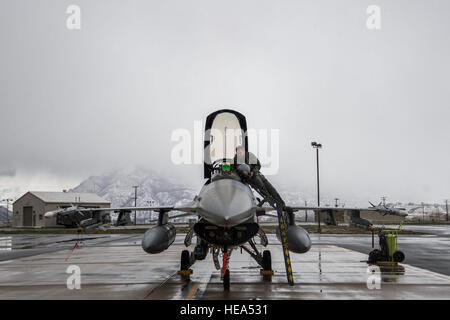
(75, 103)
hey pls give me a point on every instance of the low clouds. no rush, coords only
(79, 103)
(7, 172)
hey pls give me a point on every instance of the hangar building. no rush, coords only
(29, 209)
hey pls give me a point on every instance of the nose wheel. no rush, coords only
(226, 280)
(225, 270)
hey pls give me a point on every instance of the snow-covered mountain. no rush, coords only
(153, 190)
(156, 190)
(117, 187)
(3, 214)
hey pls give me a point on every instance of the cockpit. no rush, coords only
(224, 169)
(225, 130)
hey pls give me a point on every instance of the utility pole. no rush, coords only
(135, 202)
(306, 212)
(7, 200)
(151, 203)
(446, 208)
(317, 146)
(423, 213)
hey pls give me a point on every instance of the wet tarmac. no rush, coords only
(116, 267)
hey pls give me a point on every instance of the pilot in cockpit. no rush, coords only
(247, 166)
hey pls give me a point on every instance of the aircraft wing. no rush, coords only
(188, 209)
(176, 216)
(337, 209)
(384, 211)
(354, 214)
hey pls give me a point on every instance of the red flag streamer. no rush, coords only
(76, 244)
(224, 265)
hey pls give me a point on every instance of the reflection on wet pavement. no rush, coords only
(117, 268)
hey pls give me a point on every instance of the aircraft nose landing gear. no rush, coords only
(225, 273)
(226, 280)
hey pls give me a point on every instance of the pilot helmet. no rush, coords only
(243, 169)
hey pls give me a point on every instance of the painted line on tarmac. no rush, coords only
(193, 291)
(158, 286)
(207, 271)
(345, 249)
(430, 273)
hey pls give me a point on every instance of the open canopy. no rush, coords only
(224, 131)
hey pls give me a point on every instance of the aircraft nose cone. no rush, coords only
(226, 202)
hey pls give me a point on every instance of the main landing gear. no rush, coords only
(188, 259)
(264, 260)
(266, 270)
(267, 261)
(186, 262)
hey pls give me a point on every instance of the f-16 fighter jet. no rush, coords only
(226, 207)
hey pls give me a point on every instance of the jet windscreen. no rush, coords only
(225, 135)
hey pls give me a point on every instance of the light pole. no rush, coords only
(135, 202)
(317, 146)
(151, 203)
(423, 213)
(306, 212)
(446, 208)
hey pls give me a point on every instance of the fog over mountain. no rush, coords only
(155, 189)
(117, 187)
(3, 215)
